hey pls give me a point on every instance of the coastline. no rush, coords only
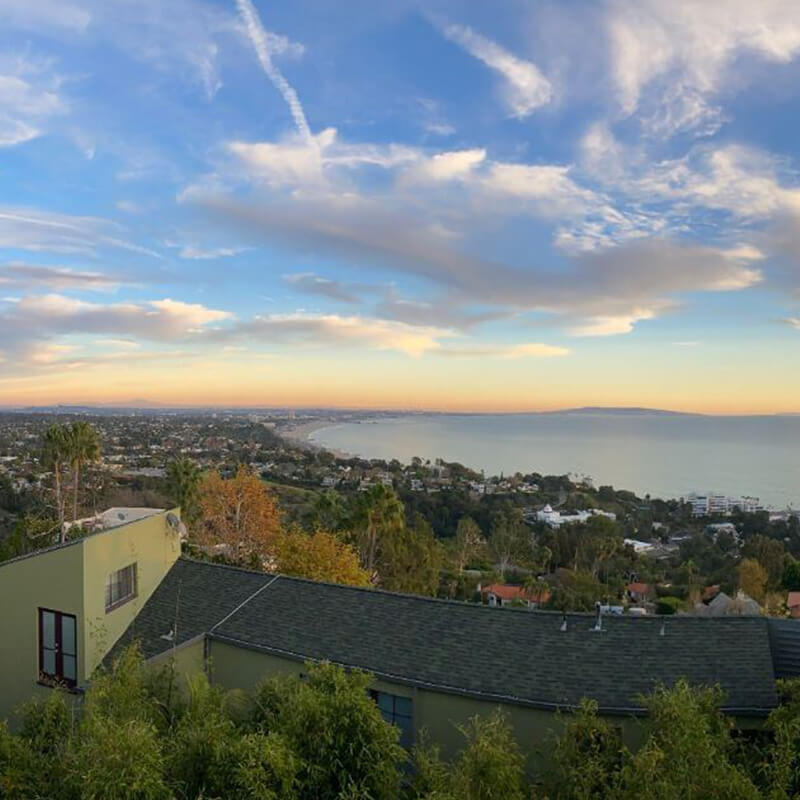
(300, 435)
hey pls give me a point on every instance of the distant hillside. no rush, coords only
(623, 411)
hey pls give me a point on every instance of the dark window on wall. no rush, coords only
(58, 648)
(120, 587)
(398, 711)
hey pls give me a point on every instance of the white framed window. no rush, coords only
(120, 587)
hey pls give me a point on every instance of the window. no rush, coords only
(397, 711)
(58, 648)
(120, 587)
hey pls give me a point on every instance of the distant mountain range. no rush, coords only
(626, 411)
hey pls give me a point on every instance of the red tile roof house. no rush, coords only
(639, 592)
(501, 594)
(793, 604)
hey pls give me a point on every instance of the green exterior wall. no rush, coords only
(71, 579)
(51, 580)
(154, 547)
(436, 713)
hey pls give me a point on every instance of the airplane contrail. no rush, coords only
(260, 39)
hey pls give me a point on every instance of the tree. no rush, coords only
(379, 514)
(791, 575)
(753, 579)
(490, 767)
(83, 445)
(587, 758)
(240, 515)
(770, 553)
(319, 556)
(344, 747)
(183, 486)
(329, 510)
(688, 752)
(56, 455)
(410, 559)
(468, 541)
(506, 540)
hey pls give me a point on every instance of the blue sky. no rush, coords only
(495, 205)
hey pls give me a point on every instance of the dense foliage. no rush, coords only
(139, 735)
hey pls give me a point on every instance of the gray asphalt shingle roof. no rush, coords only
(517, 655)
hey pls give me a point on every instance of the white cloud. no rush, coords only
(324, 330)
(793, 321)
(37, 230)
(447, 166)
(200, 254)
(683, 52)
(44, 14)
(510, 352)
(294, 161)
(526, 88)
(28, 97)
(192, 314)
(612, 325)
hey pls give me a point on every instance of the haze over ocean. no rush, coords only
(663, 455)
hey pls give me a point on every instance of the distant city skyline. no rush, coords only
(403, 205)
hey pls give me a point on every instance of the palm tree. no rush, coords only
(183, 486)
(55, 454)
(83, 446)
(379, 512)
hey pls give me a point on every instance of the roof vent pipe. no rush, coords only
(564, 624)
(663, 630)
(598, 620)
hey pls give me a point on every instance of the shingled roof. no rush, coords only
(508, 655)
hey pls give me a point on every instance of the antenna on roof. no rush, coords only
(598, 620)
(564, 624)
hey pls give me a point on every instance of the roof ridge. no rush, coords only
(465, 603)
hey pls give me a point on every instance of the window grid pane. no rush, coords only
(120, 587)
(68, 635)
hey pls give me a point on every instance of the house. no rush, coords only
(65, 606)
(722, 605)
(639, 547)
(638, 592)
(73, 606)
(502, 594)
(793, 604)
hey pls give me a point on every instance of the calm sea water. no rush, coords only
(665, 456)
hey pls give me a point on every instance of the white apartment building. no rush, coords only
(712, 503)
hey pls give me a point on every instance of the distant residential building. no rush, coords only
(704, 505)
(638, 592)
(640, 547)
(555, 518)
(724, 606)
(793, 604)
(716, 528)
(502, 594)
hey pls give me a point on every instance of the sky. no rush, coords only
(486, 206)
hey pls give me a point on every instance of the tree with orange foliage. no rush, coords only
(319, 556)
(239, 516)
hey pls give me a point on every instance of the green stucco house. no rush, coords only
(436, 662)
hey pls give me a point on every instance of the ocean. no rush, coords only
(663, 455)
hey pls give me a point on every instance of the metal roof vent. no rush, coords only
(563, 628)
(663, 630)
(598, 620)
(168, 637)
